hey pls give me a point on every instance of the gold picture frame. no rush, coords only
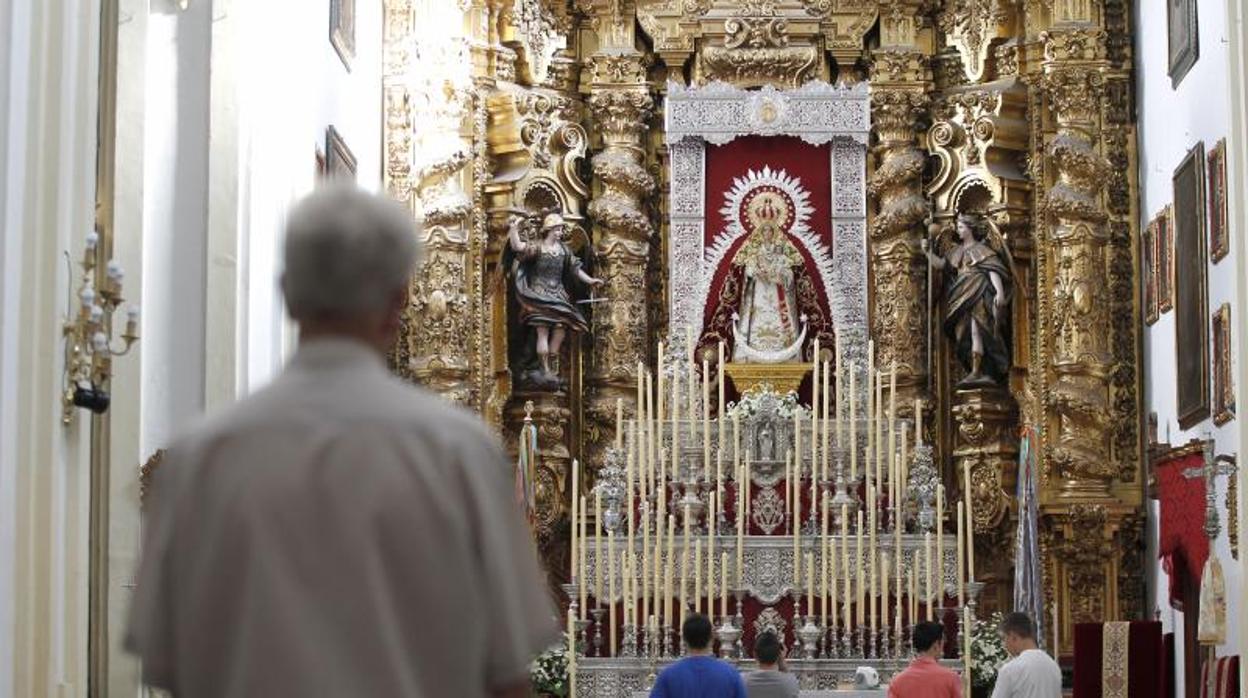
(1191, 303)
(1183, 39)
(1149, 271)
(340, 162)
(1165, 260)
(342, 30)
(1223, 369)
(1219, 243)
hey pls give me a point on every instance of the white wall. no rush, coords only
(1171, 122)
(48, 86)
(222, 109)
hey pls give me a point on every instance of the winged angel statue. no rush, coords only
(979, 278)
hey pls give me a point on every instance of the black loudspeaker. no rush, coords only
(91, 398)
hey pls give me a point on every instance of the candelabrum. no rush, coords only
(611, 488)
(628, 647)
(922, 486)
(598, 614)
(843, 498)
(89, 349)
(809, 635)
(728, 635)
(847, 644)
(739, 619)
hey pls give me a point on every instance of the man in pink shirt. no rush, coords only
(925, 677)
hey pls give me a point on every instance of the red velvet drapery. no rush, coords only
(1182, 544)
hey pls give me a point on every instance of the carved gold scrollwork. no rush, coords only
(971, 26)
(985, 442)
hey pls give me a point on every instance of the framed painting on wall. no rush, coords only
(342, 29)
(1165, 260)
(1148, 271)
(1223, 376)
(1183, 38)
(1219, 245)
(339, 160)
(1191, 304)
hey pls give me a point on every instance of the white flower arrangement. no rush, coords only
(767, 401)
(987, 651)
(549, 672)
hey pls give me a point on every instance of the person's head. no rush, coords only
(767, 649)
(1018, 633)
(929, 638)
(969, 226)
(696, 632)
(553, 226)
(349, 256)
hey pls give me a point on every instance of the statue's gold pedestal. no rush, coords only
(782, 378)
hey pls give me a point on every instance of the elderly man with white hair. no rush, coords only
(339, 533)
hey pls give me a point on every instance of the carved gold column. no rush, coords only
(1087, 358)
(1075, 275)
(900, 82)
(621, 106)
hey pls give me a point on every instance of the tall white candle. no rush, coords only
(940, 543)
(706, 422)
(853, 424)
(611, 588)
(573, 498)
(961, 558)
(583, 548)
(970, 524)
(697, 576)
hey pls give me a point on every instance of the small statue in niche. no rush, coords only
(544, 272)
(979, 277)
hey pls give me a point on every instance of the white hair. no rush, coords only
(347, 252)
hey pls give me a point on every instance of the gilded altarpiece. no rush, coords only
(1018, 112)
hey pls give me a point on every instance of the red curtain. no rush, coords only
(1182, 544)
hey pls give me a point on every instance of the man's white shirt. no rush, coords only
(1032, 674)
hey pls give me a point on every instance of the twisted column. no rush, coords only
(1078, 352)
(899, 100)
(621, 105)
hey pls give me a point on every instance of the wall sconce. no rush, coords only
(89, 348)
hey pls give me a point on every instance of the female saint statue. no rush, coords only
(978, 280)
(768, 327)
(543, 273)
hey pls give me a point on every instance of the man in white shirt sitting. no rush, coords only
(1031, 673)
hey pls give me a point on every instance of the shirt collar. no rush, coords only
(331, 353)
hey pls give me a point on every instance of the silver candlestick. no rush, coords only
(728, 635)
(738, 620)
(628, 646)
(598, 613)
(809, 636)
(922, 486)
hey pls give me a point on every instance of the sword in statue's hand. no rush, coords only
(591, 299)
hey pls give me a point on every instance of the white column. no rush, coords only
(48, 94)
(1237, 195)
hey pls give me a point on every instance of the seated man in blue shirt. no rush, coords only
(699, 674)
